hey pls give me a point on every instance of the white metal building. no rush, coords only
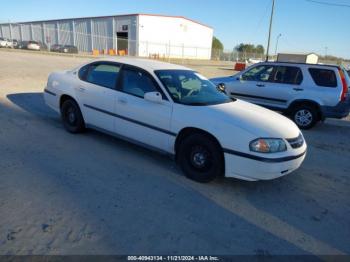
(138, 34)
(298, 58)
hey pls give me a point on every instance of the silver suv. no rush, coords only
(307, 93)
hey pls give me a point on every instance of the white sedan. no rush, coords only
(175, 110)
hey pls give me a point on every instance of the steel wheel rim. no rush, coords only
(200, 158)
(71, 116)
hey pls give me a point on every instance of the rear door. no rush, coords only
(97, 93)
(284, 85)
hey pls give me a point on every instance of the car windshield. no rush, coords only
(190, 88)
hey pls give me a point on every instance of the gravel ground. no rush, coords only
(94, 194)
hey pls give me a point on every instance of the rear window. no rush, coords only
(103, 75)
(323, 77)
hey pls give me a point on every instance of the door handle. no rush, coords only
(260, 85)
(122, 100)
(298, 89)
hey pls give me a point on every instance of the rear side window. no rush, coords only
(323, 77)
(105, 75)
(288, 75)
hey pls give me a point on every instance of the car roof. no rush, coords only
(145, 63)
(295, 63)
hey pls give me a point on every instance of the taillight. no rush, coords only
(345, 85)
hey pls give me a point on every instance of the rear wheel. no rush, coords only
(200, 158)
(71, 117)
(305, 116)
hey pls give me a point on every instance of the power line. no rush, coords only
(328, 3)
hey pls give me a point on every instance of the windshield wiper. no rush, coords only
(195, 104)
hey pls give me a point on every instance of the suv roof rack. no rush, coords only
(296, 63)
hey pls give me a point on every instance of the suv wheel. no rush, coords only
(200, 158)
(71, 117)
(305, 116)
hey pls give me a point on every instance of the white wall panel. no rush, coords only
(65, 32)
(83, 35)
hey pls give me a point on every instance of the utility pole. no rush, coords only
(270, 30)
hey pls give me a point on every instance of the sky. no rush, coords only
(305, 26)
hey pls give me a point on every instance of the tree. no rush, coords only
(249, 48)
(217, 48)
(260, 49)
(247, 51)
(217, 45)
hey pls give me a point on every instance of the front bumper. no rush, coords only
(253, 170)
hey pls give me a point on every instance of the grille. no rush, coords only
(296, 142)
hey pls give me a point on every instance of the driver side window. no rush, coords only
(261, 73)
(136, 82)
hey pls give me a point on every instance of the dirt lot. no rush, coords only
(93, 194)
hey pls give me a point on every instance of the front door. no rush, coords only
(138, 119)
(251, 85)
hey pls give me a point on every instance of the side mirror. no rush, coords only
(221, 87)
(154, 97)
(239, 78)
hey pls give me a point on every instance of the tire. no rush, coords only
(72, 118)
(305, 116)
(200, 158)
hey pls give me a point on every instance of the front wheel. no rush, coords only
(71, 117)
(305, 116)
(200, 158)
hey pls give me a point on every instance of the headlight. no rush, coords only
(268, 145)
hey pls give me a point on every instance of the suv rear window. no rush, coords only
(323, 77)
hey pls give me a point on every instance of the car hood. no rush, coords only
(219, 80)
(255, 119)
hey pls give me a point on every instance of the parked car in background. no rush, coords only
(55, 48)
(43, 46)
(22, 45)
(9, 43)
(69, 49)
(307, 93)
(175, 110)
(14, 43)
(3, 42)
(33, 45)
